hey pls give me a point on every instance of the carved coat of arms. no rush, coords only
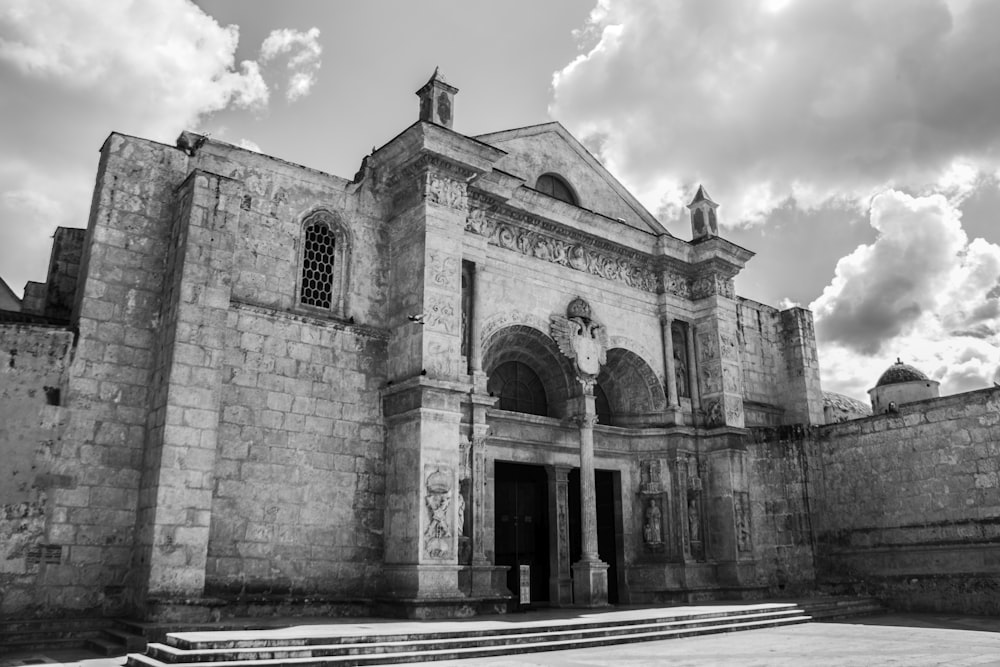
(581, 338)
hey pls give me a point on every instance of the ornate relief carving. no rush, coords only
(708, 346)
(712, 284)
(677, 284)
(734, 412)
(730, 380)
(715, 414)
(443, 268)
(438, 535)
(710, 381)
(510, 318)
(478, 494)
(439, 314)
(741, 501)
(728, 347)
(559, 251)
(440, 362)
(445, 191)
(638, 348)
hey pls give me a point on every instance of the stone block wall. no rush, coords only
(758, 332)
(781, 525)
(299, 478)
(907, 506)
(33, 364)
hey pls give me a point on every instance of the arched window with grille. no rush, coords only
(556, 186)
(325, 254)
(519, 389)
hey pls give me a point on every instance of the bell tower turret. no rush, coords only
(704, 222)
(437, 101)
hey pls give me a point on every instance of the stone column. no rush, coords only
(669, 365)
(560, 583)
(590, 574)
(693, 370)
(476, 323)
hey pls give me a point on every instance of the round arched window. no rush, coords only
(519, 389)
(554, 186)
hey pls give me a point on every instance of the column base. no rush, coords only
(421, 581)
(590, 584)
(484, 580)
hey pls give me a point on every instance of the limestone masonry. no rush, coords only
(250, 386)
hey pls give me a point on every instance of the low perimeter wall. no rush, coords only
(906, 506)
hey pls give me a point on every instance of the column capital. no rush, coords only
(584, 421)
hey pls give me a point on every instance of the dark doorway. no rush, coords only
(522, 526)
(608, 535)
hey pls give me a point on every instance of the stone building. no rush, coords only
(254, 383)
(899, 384)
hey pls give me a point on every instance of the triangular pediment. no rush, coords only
(550, 149)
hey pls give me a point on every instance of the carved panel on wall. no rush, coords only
(708, 346)
(440, 360)
(678, 340)
(728, 347)
(677, 284)
(439, 313)
(741, 500)
(730, 380)
(715, 414)
(438, 535)
(711, 383)
(445, 191)
(559, 251)
(711, 285)
(734, 412)
(443, 268)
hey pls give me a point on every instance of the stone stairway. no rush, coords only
(392, 643)
(104, 636)
(837, 608)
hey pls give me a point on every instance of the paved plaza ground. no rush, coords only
(892, 639)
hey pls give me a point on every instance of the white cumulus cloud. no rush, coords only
(823, 101)
(71, 72)
(922, 291)
(305, 58)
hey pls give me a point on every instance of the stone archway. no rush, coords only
(635, 395)
(536, 350)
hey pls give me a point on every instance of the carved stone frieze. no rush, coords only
(715, 413)
(445, 191)
(710, 381)
(727, 345)
(730, 380)
(677, 284)
(509, 318)
(581, 255)
(708, 346)
(443, 269)
(712, 284)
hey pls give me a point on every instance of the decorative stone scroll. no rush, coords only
(440, 314)
(650, 472)
(443, 269)
(558, 251)
(438, 535)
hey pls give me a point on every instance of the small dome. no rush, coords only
(845, 406)
(899, 373)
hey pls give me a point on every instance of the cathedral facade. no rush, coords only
(478, 373)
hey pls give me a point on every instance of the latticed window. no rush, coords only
(324, 256)
(519, 389)
(318, 261)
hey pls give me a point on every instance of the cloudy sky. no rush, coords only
(854, 145)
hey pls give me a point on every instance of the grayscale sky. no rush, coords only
(853, 145)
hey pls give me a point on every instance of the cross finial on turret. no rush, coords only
(437, 100)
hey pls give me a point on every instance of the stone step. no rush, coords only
(263, 638)
(839, 608)
(317, 649)
(319, 646)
